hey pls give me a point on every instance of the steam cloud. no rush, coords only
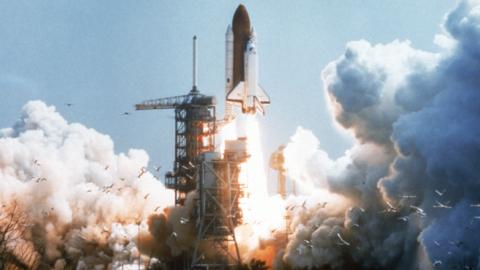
(82, 201)
(410, 184)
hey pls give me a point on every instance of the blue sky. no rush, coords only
(105, 56)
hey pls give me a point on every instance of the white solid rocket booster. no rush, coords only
(228, 70)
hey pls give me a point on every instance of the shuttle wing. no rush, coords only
(262, 95)
(237, 93)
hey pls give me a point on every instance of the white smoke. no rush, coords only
(306, 163)
(77, 193)
(409, 187)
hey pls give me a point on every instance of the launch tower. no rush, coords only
(213, 177)
(194, 133)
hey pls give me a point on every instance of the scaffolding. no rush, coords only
(194, 134)
(218, 211)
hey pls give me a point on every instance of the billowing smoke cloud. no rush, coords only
(409, 187)
(404, 197)
(82, 202)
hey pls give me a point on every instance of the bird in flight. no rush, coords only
(418, 210)
(441, 205)
(390, 208)
(342, 241)
(142, 171)
(41, 179)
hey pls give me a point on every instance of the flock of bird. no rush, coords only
(306, 243)
(124, 113)
(105, 189)
(302, 248)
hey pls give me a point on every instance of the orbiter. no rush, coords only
(241, 68)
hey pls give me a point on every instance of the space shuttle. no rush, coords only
(241, 68)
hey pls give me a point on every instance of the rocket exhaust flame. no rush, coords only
(262, 214)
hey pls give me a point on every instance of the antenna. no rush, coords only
(194, 88)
